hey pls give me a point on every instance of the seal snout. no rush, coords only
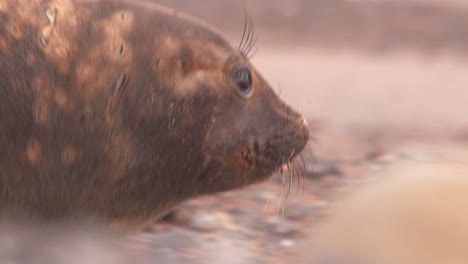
(287, 143)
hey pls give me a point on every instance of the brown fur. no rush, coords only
(122, 109)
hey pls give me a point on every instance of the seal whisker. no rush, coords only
(289, 183)
(295, 173)
(252, 42)
(302, 170)
(249, 38)
(244, 32)
(309, 159)
(249, 32)
(266, 205)
(281, 197)
(291, 175)
(246, 35)
(283, 206)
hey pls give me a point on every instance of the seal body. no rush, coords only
(122, 109)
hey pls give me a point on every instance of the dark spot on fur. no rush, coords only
(142, 122)
(82, 120)
(185, 59)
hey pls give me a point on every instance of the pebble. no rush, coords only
(387, 159)
(286, 229)
(204, 222)
(266, 197)
(287, 243)
(282, 227)
(210, 222)
(321, 204)
(299, 211)
(323, 168)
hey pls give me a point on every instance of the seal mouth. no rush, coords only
(275, 155)
(281, 149)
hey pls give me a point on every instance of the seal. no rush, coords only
(122, 109)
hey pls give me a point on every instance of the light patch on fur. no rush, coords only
(19, 18)
(114, 50)
(69, 155)
(166, 61)
(15, 29)
(85, 71)
(31, 59)
(199, 69)
(27, 14)
(191, 83)
(41, 110)
(167, 50)
(60, 98)
(33, 152)
(115, 30)
(41, 87)
(92, 81)
(58, 32)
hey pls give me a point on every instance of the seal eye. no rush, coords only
(243, 79)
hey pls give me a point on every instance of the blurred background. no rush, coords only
(384, 85)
